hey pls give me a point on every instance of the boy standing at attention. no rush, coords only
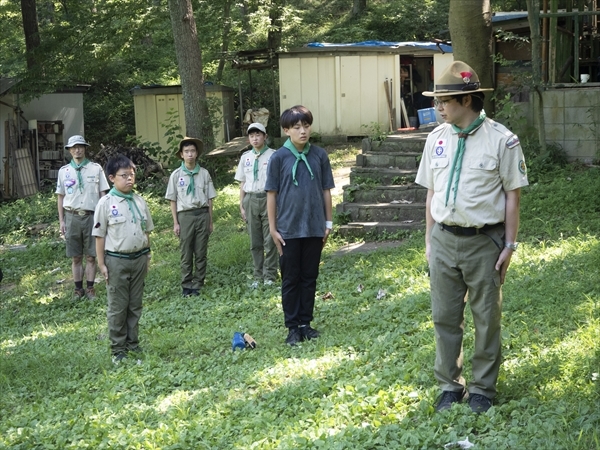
(122, 226)
(191, 191)
(79, 186)
(299, 180)
(252, 175)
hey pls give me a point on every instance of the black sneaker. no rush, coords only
(118, 357)
(293, 337)
(308, 333)
(479, 403)
(447, 398)
(186, 292)
(194, 292)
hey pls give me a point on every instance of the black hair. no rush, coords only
(118, 162)
(295, 114)
(189, 142)
(477, 99)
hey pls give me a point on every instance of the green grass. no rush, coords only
(366, 383)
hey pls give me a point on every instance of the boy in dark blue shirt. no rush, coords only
(299, 180)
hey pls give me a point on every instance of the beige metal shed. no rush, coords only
(344, 85)
(153, 104)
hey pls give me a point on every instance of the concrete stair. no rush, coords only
(382, 196)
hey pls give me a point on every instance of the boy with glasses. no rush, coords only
(191, 192)
(122, 227)
(79, 186)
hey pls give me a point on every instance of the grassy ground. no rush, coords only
(366, 383)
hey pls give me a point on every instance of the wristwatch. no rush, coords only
(512, 245)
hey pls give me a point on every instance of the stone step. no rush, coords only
(405, 160)
(375, 229)
(381, 176)
(404, 142)
(381, 212)
(413, 193)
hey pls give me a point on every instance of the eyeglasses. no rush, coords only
(437, 102)
(126, 176)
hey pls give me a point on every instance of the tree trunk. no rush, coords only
(243, 5)
(225, 41)
(470, 23)
(533, 13)
(358, 7)
(189, 62)
(274, 34)
(30, 28)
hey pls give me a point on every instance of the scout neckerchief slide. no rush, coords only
(258, 154)
(132, 206)
(78, 168)
(460, 151)
(191, 173)
(299, 157)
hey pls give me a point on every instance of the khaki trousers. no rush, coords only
(124, 291)
(461, 266)
(262, 247)
(193, 243)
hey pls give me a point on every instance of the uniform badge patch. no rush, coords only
(513, 141)
(248, 163)
(522, 167)
(440, 148)
(114, 210)
(181, 181)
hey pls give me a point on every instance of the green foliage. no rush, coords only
(538, 162)
(367, 382)
(376, 133)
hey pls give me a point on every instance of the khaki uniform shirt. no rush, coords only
(492, 165)
(94, 182)
(178, 185)
(245, 171)
(114, 221)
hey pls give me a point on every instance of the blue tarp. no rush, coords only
(424, 45)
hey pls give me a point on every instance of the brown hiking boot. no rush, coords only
(78, 294)
(90, 293)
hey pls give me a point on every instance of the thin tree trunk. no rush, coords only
(274, 34)
(470, 23)
(31, 31)
(533, 13)
(189, 62)
(225, 42)
(358, 7)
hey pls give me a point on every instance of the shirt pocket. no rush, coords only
(439, 168)
(117, 220)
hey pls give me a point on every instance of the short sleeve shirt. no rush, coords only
(492, 165)
(114, 221)
(179, 181)
(245, 171)
(300, 209)
(85, 196)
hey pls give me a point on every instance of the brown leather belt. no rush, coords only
(468, 231)
(79, 212)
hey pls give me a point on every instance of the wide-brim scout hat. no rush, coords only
(457, 79)
(76, 140)
(190, 140)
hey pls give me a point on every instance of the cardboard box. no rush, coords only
(427, 116)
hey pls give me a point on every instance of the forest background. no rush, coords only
(115, 45)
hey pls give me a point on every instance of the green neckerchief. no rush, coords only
(458, 157)
(258, 154)
(300, 156)
(78, 168)
(191, 173)
(131, 204)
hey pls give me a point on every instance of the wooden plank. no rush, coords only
(26, 181)
(231, 148)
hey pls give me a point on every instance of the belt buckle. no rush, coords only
(81, 212)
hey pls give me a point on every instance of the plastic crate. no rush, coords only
(427, 116)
